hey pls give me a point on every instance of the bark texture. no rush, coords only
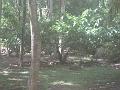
(23, 32)
(50, 8)
(35, 46)
(0, 21)
(60, 48)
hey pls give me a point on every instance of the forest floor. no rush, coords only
(60, 77)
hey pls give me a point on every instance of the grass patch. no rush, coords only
(85, 77)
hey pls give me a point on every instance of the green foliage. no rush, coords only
(48, 36)
(9, 26)
(10, 32)
(86, 31)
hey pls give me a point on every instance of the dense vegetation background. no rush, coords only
(86, 26)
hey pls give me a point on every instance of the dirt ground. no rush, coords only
(6, 61)
(64, 87)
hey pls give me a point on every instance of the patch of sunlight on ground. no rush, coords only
(25, 76)
(86, 58)
(54, 71)
(5, 72)
(15, 79)
(25, 72)
(45, 76)
(62, 83)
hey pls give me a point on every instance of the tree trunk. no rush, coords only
(39, 11)
(50, 8)
(35, 46)
(23, 32)
(62, 4)
(18, 6)
(63, 56)
(60, 56)
(0, 22)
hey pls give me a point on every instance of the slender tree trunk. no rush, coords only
(39, 11)
(35, 46)
(50, 8)
(0, 22)
(62, 4)
(60, 56)
(23, 32)
(19, 6)
(19, 10)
